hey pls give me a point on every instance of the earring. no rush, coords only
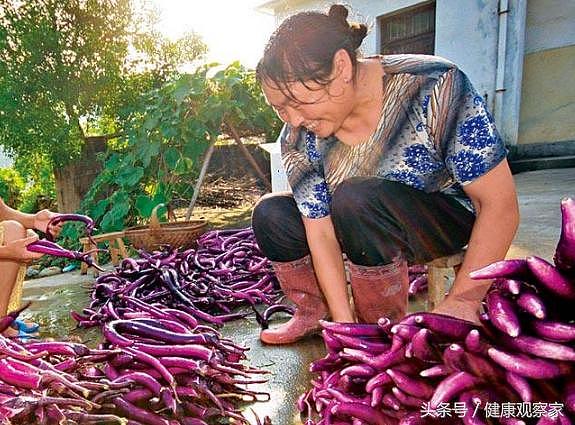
(346, 80)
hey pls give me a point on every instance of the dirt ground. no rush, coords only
(224, 202)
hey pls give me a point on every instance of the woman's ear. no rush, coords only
(342, 67)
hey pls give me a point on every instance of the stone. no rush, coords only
(32, 271)
(50, 271)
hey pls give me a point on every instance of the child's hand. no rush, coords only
(16, 250)
(41, 220)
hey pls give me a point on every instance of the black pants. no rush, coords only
(374, 221)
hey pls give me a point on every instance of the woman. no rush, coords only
(391, 160)
(14, 237)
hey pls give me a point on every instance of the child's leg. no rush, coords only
(12, 273)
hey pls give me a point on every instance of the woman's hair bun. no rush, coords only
(358, 33)
(339, 12)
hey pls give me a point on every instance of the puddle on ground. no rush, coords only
(54, 298)
(51, 306)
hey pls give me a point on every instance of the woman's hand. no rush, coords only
(16, 250)
(41, 220)
(495, 200)
(460, 307)
(329, 268)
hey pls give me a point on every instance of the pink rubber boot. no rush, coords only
(297, 280)
(380, 291)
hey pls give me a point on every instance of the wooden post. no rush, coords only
(201, 177)
(236, 136)
(437, 271)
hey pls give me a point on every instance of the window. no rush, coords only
(408, 31)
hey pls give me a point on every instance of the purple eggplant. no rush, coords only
(61, 218)
(513, 269)
(452, 386)
(520, 385)
(7, 320)
(564, 257)
(531, 303)
(551, 278)
(444, 325)
(554, 331)
(410, 385)
(423, 348)
(502, 313)
(540, 347)
(528, 366)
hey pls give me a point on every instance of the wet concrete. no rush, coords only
(539, 193)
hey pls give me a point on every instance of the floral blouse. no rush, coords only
(434, 134)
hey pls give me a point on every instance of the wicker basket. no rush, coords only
(176, 234)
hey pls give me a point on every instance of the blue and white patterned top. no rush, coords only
(435, 134)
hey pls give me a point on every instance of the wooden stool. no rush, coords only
(436, 273)
(115, 244)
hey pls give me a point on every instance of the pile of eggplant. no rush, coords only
(517, 368)
(162, 360)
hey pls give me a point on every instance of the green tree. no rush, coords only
(72, 67)
(165, 137)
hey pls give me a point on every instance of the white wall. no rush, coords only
(550, 24)
(548, 90)
(467, 33)
(468, 37)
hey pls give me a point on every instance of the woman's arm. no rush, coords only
(495, 201)
(329, 268)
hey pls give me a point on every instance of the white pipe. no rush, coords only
(503, 12)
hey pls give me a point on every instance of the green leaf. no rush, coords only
(185, 166)
(144, 205)
(98, 211)
(152, 121)
(113, 161)
(149, 150)
(129, 176)
(160, 197)
(182, 89)
(171, 157)
(115, 218)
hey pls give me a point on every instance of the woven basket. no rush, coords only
(176, 234)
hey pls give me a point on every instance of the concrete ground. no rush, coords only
(539, 193)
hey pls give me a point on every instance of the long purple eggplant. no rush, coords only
(61, 218)
(540, 347)
(412, 386)
(527, 366)
(564, 257)
(551, 278)
(554, 331)
(530, 302)
(520, 385)
(7, 320)
(502, 313)
(52, 248)
(363, 412)
(444, 325)
(452, 386)
(512, 269)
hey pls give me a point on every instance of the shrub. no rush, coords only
(11, 186)
(41, 193)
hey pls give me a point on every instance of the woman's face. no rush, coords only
(319, 108)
